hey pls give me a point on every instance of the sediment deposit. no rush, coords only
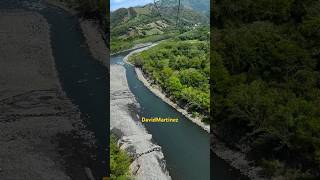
(149, 161)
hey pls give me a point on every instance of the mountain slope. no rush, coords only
(151, 22)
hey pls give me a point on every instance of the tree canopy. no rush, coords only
(181, 68)
(265, 83)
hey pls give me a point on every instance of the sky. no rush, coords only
(116, 4)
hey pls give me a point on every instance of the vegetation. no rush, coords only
(265, 83)
(150, 23)
(118, 45)
(119, 162)
(181, 68)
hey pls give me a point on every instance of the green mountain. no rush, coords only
(151, 22)
(151, 19)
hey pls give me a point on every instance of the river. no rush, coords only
(82, 77)
(185, 145)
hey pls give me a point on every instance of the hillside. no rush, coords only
(151, 23)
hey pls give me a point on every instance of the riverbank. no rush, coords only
(157, 91)
(235, 158)
(137, 46)
(95, 41)
(91, 31)
(149, 161)
(42, 133)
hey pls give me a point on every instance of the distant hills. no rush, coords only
(153, 22)
(156, 19)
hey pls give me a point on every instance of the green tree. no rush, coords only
(119, 161)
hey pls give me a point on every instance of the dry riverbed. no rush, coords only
(149, 161)
(42, 135)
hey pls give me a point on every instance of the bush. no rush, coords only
(119, 161)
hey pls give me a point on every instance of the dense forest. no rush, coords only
(265, 65)
(181, 67)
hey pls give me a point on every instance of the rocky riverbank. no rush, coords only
(149, 161)
(95, 42)
(235, 158)
(42, 133)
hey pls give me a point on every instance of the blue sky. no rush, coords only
(116, 4)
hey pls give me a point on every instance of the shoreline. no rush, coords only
(91, 32)
(132, 136)
(235, 158)
(61, 5)
(96, 44)
(157, 90)
(136, 47)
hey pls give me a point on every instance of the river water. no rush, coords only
(82, 77)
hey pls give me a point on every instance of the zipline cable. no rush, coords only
(178, 14)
